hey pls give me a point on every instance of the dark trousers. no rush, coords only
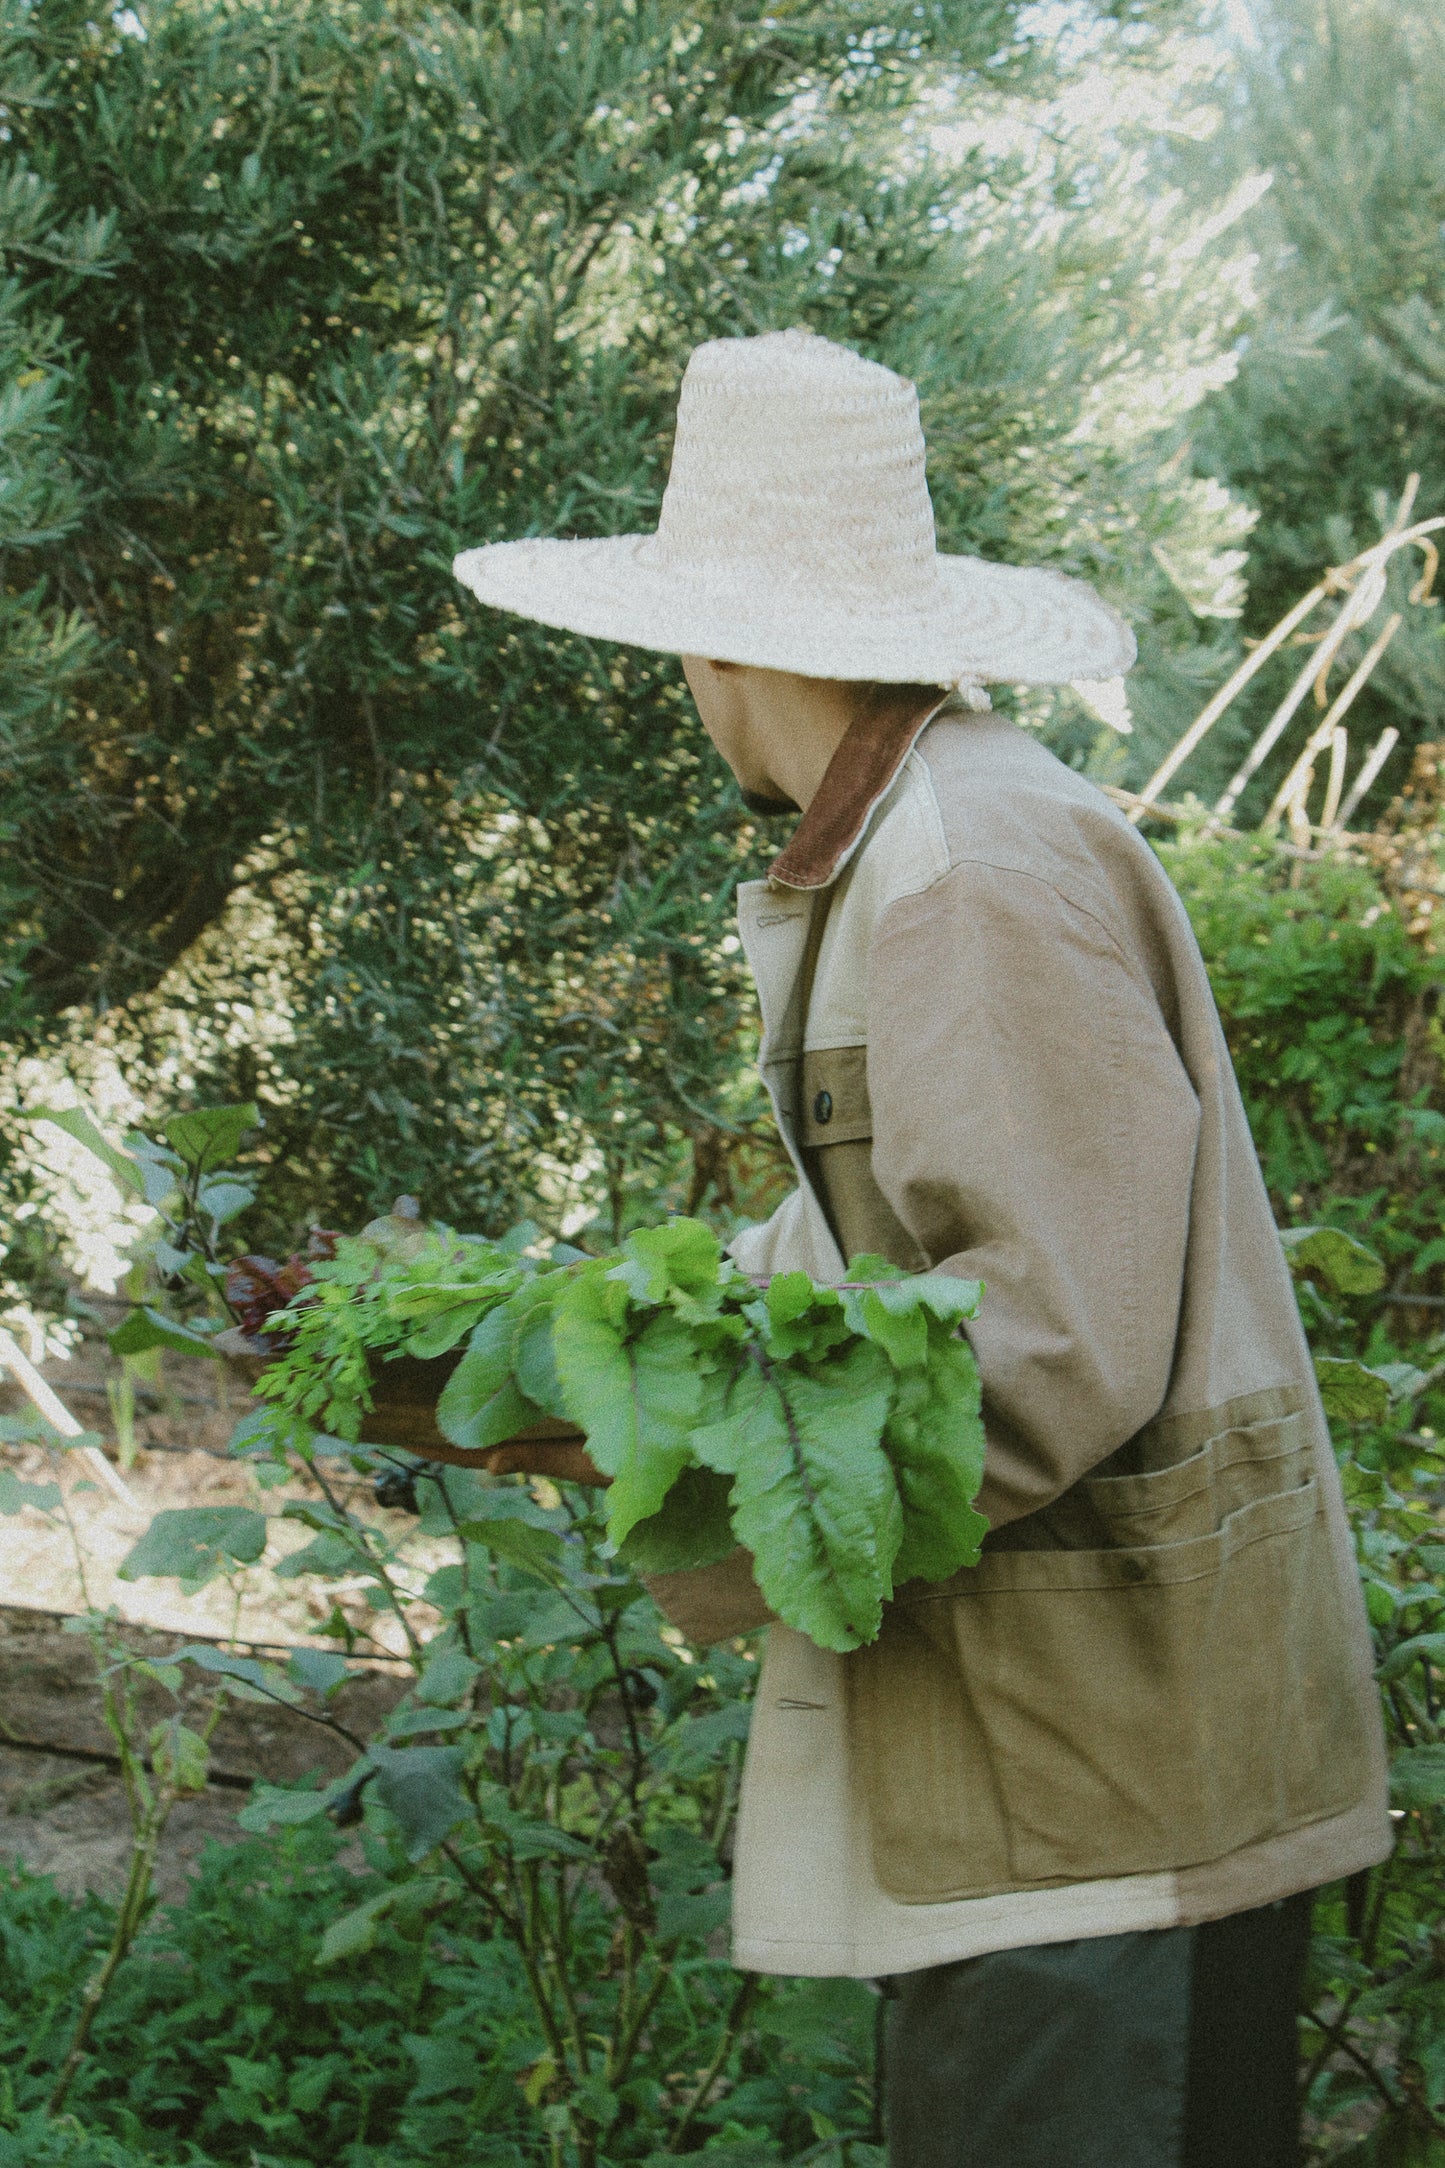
(1176, 2049)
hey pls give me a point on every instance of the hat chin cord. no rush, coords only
(972, 694)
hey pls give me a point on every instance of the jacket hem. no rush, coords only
(1260, 1874)
(1297, 1859)
(1018, 1920)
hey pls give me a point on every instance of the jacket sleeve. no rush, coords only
(711, 1603)
(1034, 1128)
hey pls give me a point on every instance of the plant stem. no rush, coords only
(555, 1955)
(491, 1903)
(637, 1759)
(132, 1909)
(561, 1954)
(628, 2037)
(741, 2003)
(150, 1807)
(727, 1798)
(520, 1928)
(380, 1567)
(1345, 2046)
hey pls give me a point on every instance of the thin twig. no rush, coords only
(1358, 607)
(1360, 581)
(1370, 767)
(1345, 2046)
(742, 2002)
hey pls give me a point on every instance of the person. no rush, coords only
(1069, 1807)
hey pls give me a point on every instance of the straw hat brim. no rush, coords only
(975, 620)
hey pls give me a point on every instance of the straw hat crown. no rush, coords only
(799, 459)
(796, 532)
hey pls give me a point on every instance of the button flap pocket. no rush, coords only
(835, 1107)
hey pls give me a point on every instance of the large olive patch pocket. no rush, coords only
(1057, 1716)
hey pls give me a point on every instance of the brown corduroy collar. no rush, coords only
(860, 774)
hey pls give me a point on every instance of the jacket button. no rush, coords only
(823, 1107)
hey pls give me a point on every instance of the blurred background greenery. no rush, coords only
(298, 299)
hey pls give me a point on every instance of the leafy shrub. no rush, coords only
(421, 2049)
(1330, 1007)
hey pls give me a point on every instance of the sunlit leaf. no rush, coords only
(211, 1136)
(636, 1395)
(224, 1200)
(536, 1550)
(1351, 1391)
(78, 1124)
(354, 1933)
(146, 1328)
(271, 1807)
(1327, 1253)
(180, 1757)
(191, 1542)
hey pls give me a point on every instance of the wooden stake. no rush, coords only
(1323, 733)
(1339, 746)
(1339, 578)
(1209, 715)
(59, 1417)
(1354, 611)
(1374, 761)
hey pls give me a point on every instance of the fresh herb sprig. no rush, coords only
(400, 1287)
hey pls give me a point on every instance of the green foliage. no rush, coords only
(302, 299)
(1351, 1391)
(559, 1781)
(1374, 2037)
(1336, 1257)
(547, 1810)
(545, 1818)
(368, 1302)
(1329, 1006)
(243, 2038)
(194, 1542)
(175, 1270)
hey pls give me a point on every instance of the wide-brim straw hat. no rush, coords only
(796, 533)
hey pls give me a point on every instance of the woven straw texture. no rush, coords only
(796, 533)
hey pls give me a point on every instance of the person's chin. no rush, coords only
(766, 804)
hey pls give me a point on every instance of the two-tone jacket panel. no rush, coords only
(1002, 1059)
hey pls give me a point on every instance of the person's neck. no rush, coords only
(802, 722)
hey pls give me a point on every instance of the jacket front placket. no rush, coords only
(773, 925)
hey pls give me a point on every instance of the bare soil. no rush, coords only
(62, 1807)
(68, 1819)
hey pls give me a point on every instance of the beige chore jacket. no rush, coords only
(1151, 1703)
